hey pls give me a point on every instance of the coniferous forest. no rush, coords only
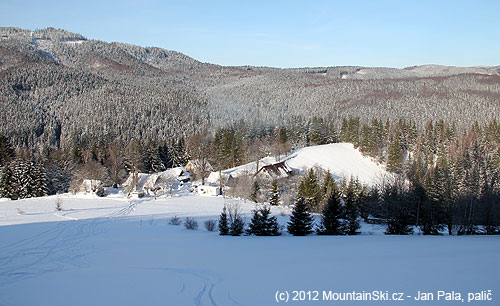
(74, 109)
(444, 179)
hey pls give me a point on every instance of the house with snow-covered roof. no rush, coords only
(275, 171)
(193, 166)
(165, 180)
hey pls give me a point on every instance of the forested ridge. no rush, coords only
(58, 87)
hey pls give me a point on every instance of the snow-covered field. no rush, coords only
(117, 251)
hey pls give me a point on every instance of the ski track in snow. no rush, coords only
(55, 249)
(125, 210)
(233, 300)
(192, 279)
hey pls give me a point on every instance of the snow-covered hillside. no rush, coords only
(116, 251)
(341, 159)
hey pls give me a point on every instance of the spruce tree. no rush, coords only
(30, 177)
(223, 224)
(165, 156)
(237, 226)
(6, 151)
(398, 214)
(301, 221)
(351, 210)
(317, 131)
(309, 189)
(262, 224)
(331, 223)
(328, 185)
(399, 225)
(275, 196)
(333, 136)
(152, 160)
(256, 226)
(178, 154)
(430, 202)
(344, 131)
(366, 143)
(395, 156)
(40, 188)
(20, 180)
(254, 195)
(274, 227)
(6, 182)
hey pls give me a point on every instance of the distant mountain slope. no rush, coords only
(57, 85)
(418, 72)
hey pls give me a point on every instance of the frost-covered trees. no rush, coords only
(6, 182)
(23, 178)
(6, 151)
(136, 95)
(318, 131)
(151, 158)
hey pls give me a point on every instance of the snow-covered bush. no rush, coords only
(174, 221)
(100, 191)
(210, 225)
(59, 204)
(191, 224)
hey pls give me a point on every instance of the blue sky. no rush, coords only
(284, 33)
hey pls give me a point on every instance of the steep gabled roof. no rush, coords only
(196, 164)
(276, 170)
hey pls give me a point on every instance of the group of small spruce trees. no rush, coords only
(339, 214)
(262, 224)
(230, 222)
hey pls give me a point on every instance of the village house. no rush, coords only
(166, 181)
(200, 169)
(275, 171)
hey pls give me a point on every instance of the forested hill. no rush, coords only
(59, 87)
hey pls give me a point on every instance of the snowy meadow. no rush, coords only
(119, 251)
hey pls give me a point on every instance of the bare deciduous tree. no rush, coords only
(199, 148)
